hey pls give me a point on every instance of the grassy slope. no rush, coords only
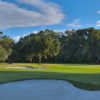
(79, 73)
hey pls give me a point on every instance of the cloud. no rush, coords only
(98, 12)
(98, 23)
(11, 15)
(75, 24)
(18, 37)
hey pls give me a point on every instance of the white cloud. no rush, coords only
(75, 24)
(59, 30)
(17, 38)
(98, 12)
(98, 23)
(11, 15)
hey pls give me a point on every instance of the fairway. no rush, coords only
(85, 74)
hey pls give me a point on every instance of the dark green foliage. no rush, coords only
(37, 46)
(82, 46)
(74, 46)
(6, 48)
(3, 54)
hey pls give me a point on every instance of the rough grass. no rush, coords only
(89, 74)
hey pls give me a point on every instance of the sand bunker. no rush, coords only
(45, 90)
(26, 67)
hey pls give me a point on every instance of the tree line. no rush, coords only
(48, 46)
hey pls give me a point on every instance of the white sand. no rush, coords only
(45, 90)
(22, 67)
(18, 67)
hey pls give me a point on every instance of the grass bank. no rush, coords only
(88, 74)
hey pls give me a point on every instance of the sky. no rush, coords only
(19, 18)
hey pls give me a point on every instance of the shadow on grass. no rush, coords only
(82, 81)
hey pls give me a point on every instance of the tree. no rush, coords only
(3, 54)
(1, 35)
(6, 48)
(74, 46)
(41, 45)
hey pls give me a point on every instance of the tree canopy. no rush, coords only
(41, 45)
(6, 48)
(71, 46)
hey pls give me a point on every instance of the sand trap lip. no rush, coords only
(44, 90)
(25, 67)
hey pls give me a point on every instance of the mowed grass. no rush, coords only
(89, 74)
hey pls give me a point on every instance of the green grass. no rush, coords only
(85, 74)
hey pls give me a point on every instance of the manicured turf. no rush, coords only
(89, 74)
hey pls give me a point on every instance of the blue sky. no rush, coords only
(20, 17)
